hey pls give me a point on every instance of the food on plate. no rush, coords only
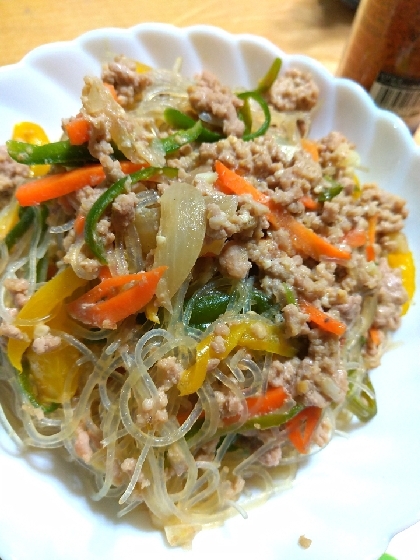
(193, 290)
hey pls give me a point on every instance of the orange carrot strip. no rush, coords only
(78, 131)
(79, 224)
(322, 319)
(303, 239)
(371, 233)
(111, 88)
(309, 203)
(273, 399)
(302, 427)
(311, 147)
(60, 184)
(355, 238)
(110, 311)
(104, 273)
(375, 336)
(230, 182)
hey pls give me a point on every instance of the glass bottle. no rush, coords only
(383, 55)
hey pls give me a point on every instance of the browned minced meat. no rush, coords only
(208, 95)
(294, 91)
(127, 81)
(12, 174)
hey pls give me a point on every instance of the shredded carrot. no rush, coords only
(302, 427)
(78, 131)
(273, 399)
(322, 319)
(60, 184)
(375, 336)
(230, 182)
(79, 224)
(371, 233)
(111, 88)
(103, 306)
(303, 239)
(309, 203)
(104, 273)
(355, 238)
(311, 147)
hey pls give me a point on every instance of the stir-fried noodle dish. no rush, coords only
(193, 292)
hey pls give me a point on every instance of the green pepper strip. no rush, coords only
(289, 294)
(256, 96)
(182, 137)
(177, 119)
(26, 218)
(361, 403)
(331, 192)
(267, 81)
(207, 308)
(26, 386)
(53, 153)
(271, 420)
(263, 422)
(102, 203)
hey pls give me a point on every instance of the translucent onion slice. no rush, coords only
(180, 237)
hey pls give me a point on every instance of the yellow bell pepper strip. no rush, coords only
(9, 217)
(240, 335)
(32, 133)
(101, 307)
(302, 427)
(39, 307)
(405, 262)
(53, 375)
(26, 384)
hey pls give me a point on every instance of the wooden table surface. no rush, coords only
(318, 28)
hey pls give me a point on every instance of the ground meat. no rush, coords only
(233, 261)
(124, 207)
(12, 174)
(208, 95)
(18, 287)
(168, 372)
(294, 91)
(10, 331)
(47, 343)
(295, 321)
(153, 411)
(391, 298)
(82, 445)
(128, 82)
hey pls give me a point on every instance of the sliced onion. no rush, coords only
(181, 234)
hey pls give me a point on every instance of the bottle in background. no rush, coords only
(383, 55)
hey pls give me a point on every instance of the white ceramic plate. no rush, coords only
(351, 498)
